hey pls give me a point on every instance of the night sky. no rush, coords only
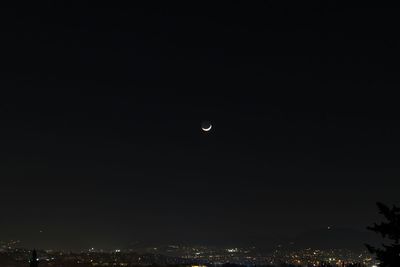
(101, 109)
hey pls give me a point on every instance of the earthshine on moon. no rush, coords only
(206, 126)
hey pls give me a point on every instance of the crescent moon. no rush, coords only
(207, 129)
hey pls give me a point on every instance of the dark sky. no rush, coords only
(101, 109)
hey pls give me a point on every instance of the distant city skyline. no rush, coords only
(191, 256)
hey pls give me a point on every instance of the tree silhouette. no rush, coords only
(34, 261)
(389, 254)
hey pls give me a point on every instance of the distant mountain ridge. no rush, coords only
(328, 238)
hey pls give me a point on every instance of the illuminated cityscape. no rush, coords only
(180, 255)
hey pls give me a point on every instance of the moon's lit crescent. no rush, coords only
(207, 129)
